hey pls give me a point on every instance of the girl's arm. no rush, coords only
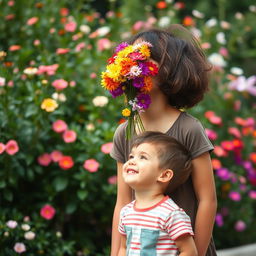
(122, 250)
(204, 186)
(186, 245)
(124, 196)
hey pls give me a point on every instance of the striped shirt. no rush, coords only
(153, 231)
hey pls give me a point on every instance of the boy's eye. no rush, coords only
(130, 156)
(143, 157)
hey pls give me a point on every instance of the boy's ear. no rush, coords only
(165, 175)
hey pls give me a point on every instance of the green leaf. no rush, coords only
(2, 184)
(60, 183)
(71, 207)
(82, 194)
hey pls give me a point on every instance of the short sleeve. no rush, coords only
(197, 140)
(121, 228)
(118, 149)
(178, 224)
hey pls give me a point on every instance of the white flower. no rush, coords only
(103, 31)
(85, 29)
(30, 71)
(243, 84)
(196, 32)
(6, 233)
(2, 81)
(19, 247)
(164, 21)
(217, 60)
(135, 71)
(100, 101)
(225, 25)
(55, 96)
(11, 224)
(58, 234)
(220, 37)
(211, 22)
(236, 71)
(25, 227)
(198, 14)
(90, 127)
(29, 235)
(239, 16)
(62, 97)
(252, 8)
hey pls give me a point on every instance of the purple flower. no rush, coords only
(121, 46)
(240, 226)
(223, 173)
(138, 82)
(219, 220)
(235, 196)
(143, 100)
(144, 69)
(117, 92)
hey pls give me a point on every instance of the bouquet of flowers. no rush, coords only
(129, 72)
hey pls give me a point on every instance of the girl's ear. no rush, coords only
(165, 175)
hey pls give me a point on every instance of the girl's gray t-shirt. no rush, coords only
(190, 132)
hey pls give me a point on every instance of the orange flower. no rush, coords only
(253, 157)
(161, 5)
(108, 83)
(126, 64)
(13, 48)
(216, 164)
(66, 162)
(148, 84)
(188, 21)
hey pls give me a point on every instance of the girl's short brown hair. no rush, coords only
(171, 154)
(183, 67)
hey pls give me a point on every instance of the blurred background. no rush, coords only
(57, 180)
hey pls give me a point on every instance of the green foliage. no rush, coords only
(78, 41)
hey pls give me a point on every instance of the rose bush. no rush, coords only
(57, 123)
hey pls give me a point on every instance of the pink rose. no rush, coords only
(56, 156)
(70, 26)
(91, 165)
(59, 84)
(106, 148)
(59, 126)
(69, 136)
(103, 44)
(44, 159)
(19, 247)
(32, 21)
(47, 212)
(2, 148)
(11, 147)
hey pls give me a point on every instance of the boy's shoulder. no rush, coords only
(128, 207)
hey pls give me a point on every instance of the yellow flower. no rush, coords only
(113, 71)
(49, 105)
(125, 52)
(126, 112)
(145, 51)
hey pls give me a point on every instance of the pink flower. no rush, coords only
(227, 145)
(13, 48)
(60, 51)
(219, 151)
(2, 148)
(252, 194)
(66, 162)
(235, 196)
(19, 247)
(11, 147)
(47, 212)
(69, 136)
(49, 70)
(103, 44)
(112, 180)
(93, 75)
(80, 46)
(11, 224)
(70, 27)
(223, 51)
(234, 131)
(59, 126)
(59, 84)
(240, 226)
(44, 159)
(106, 148)
(91, 165)
(32, 21)
(212, 135)
(219, 220)
(56, 156)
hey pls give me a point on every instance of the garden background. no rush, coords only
(57, 180)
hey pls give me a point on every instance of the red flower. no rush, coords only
(66, 162)
(188, 21)
(161, 5)
(47, 212)
(227, 145)
(253, 157)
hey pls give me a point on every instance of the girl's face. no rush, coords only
(142, 170)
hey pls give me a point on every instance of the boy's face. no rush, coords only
(142, 170)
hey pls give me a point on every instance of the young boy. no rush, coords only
(153, 224)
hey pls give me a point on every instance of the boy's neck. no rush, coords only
(147, 199)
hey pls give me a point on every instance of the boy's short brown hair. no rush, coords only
(183, 67)
(171, 154)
